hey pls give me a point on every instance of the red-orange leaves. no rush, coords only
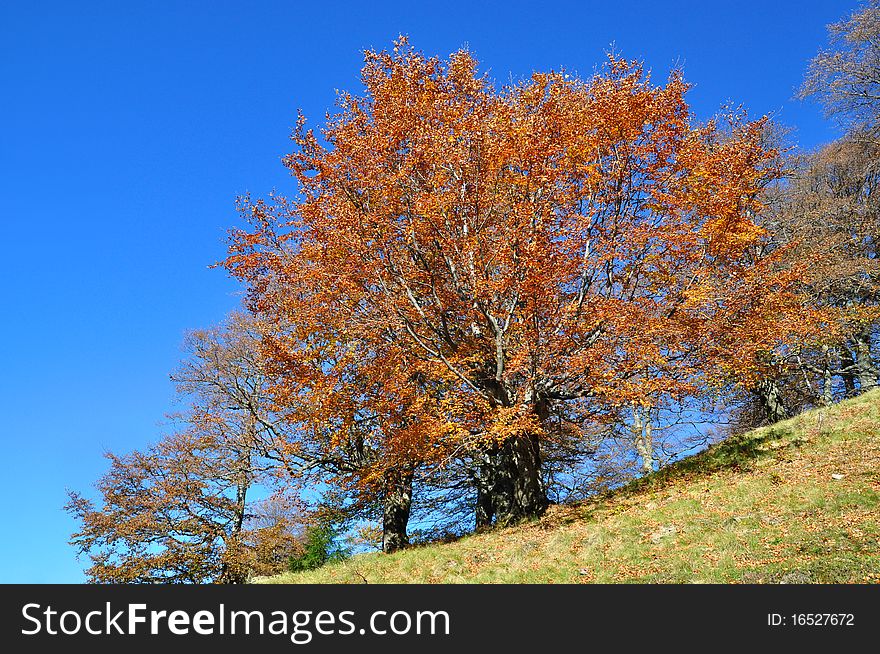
(492, 255)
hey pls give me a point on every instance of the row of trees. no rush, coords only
(479, 295)
(830, 211)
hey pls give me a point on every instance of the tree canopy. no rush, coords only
(479, 297)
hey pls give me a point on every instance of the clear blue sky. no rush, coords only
(129, 127)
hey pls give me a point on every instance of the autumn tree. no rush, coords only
(826, 214)
(354, 418)
(832, 202)
(177, 513)
(830, 214)
(559, 247)
(310, 410)
(181, 511)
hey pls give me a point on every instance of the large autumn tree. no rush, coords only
(534, 259)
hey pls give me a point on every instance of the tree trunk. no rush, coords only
(511, 488)
(827, 377)
(485, 510)
(848, 367)
(865, 370)
(642, 438)
(771, 401)
(243, 473)
(396, 509)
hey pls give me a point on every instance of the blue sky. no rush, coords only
(128, 128)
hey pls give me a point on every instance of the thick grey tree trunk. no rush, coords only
(396, 510)
(485, 508)
(519, 490)
(509, 486)
(771, 401)
(866, 371)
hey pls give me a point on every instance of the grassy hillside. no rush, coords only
(798, 502)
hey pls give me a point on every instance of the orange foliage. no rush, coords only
(461, 261)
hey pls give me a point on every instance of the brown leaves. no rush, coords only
(503, 250)
(178, 511)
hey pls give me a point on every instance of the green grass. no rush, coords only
(759, 508)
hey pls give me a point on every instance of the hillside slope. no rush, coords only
(798, 502)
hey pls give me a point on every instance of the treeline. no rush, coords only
(482, 300)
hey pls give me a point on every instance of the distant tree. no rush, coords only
(825, 216)
(180, 510)
(830, 215)
(846, 77)
(178, 513)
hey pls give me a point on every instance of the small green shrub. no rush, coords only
(320, 547)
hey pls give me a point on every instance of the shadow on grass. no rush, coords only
(737, 453)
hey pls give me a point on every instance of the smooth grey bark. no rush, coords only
(642, 437)
(827, 377)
